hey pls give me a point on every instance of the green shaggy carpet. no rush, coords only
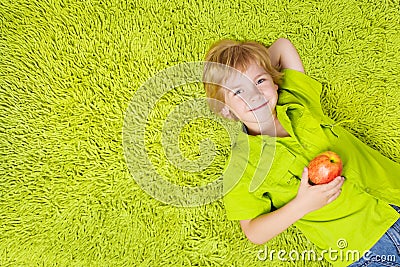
(68, 73)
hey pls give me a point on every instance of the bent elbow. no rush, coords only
(257, 242)
(252, 233)
(256, 239)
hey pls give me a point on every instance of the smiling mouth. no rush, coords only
(263, 105)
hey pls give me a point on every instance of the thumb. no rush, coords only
(304, 176)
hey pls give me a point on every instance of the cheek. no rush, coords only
(237, 105)
(269, 89)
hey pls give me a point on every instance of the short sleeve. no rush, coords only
(240, 203)
(297, 85)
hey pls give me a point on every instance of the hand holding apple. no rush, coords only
(313, 197)
(324, 168)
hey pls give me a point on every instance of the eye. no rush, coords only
(238, 91)
(260, 81)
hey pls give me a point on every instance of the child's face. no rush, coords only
(251, 97)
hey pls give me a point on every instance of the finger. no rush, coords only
(334, 196)
(335, 189)
(304, 176)
(335, 183)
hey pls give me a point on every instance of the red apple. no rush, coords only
(324, 168)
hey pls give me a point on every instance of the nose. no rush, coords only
(256, 97)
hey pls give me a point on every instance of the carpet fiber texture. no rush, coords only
(68, 73)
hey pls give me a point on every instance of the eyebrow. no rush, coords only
(235, 87)
(240, 85)
(259, 75)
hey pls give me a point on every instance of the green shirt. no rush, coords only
(264, 173)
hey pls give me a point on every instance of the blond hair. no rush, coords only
(236, 55)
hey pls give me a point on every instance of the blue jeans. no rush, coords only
(386, 252)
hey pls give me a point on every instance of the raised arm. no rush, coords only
(284, 55)
(309, 198)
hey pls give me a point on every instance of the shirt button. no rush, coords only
(367, 190)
